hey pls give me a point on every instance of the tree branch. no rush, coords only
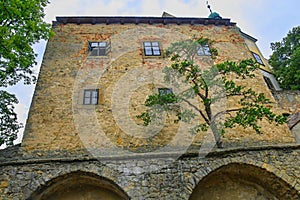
(225, 112)
(197, 109)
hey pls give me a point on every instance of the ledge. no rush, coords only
(84, 155)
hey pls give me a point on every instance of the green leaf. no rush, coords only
(285, 60)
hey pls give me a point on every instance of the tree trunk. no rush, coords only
(217, 134)
(214, 127)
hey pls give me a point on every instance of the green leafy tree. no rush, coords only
(22, 25)
(285, 60)
(209, 87)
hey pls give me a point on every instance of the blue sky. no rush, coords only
(266, 20)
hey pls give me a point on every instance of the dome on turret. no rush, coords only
(214, 15)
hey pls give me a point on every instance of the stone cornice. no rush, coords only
(141, 20)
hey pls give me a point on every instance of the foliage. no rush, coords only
(285, 60)
(22, 25)
(210, 86)
(8, 118)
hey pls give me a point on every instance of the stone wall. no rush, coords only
(104, 150)
(151, 176)
(58, 120)
(288, 100)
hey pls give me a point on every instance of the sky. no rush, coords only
(266, 20)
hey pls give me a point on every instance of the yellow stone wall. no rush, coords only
(58, 120)
(253, 47)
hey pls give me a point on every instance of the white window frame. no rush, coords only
(152, 48)
(258, 58)
(272, 79)
(269, 83)
(90, 96)
(203, 50)
(101, 48)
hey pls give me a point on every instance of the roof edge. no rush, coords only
(140, 20)
(248, 36)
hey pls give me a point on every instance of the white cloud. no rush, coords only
(88, 8)
(182, 9)
(104, 8)
(22, 110)
(151, 8)
(63, 8)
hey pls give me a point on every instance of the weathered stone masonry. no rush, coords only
(67, 69)
(76, 151)
(275, 168)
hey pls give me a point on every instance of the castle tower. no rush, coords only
(83, 140)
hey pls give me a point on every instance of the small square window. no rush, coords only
(99, 48)
(269, 83)
(165, 91)
(203, 50)
(257, 58)
(90, 97)
(152, 49)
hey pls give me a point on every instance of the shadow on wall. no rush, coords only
(294, 125)
(288, 100)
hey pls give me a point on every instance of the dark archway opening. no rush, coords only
(79, 186)
(242, 181)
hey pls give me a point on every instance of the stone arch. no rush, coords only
(81, 186)
(242, 181)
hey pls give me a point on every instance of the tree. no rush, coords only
(285, 60)
(210, 86)
(22, 25)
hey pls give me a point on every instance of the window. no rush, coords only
(257, 58)
(167, 97)
(99, 48)
(203, 50)
(165, 91)
(152, 49)
(269, 83)
(90, 97)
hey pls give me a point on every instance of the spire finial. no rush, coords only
(208, 6)
(213, 15)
